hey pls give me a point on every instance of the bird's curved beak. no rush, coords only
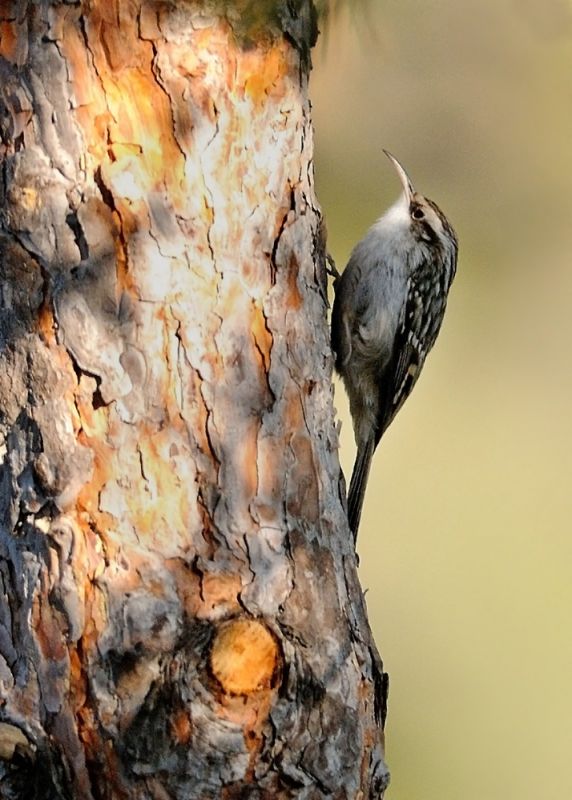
(408, 187)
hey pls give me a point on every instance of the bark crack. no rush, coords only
(181, 355)
(278, 237)
(75, 226)
(210, 205)
(156, 71)
(104, 190)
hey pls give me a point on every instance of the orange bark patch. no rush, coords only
(244, 657)
(48, 632)
(14, 41)
(261, 72)
(8, 35)
(77, 680)
(219, 591)
(181, 727)
(46, 324)
(294, 296)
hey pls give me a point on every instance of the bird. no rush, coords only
(388, 308)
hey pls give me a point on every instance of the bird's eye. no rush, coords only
(418, 213)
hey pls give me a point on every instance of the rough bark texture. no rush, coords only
(180, 614)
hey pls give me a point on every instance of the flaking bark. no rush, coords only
(180, 611)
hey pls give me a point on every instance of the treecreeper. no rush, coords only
(388, 308)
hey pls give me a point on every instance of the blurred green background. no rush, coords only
(465, 544)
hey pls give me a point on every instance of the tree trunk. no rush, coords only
(181, 615)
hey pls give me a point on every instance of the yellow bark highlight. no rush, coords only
(158, 501)
(123, 105)
(10, 738)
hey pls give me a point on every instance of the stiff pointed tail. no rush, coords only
(358, 483)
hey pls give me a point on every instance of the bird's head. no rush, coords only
(425, 219)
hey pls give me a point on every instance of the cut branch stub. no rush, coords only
(244, 657)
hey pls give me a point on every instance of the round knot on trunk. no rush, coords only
(244, 656)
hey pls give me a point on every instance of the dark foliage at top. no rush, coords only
(253, 20)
